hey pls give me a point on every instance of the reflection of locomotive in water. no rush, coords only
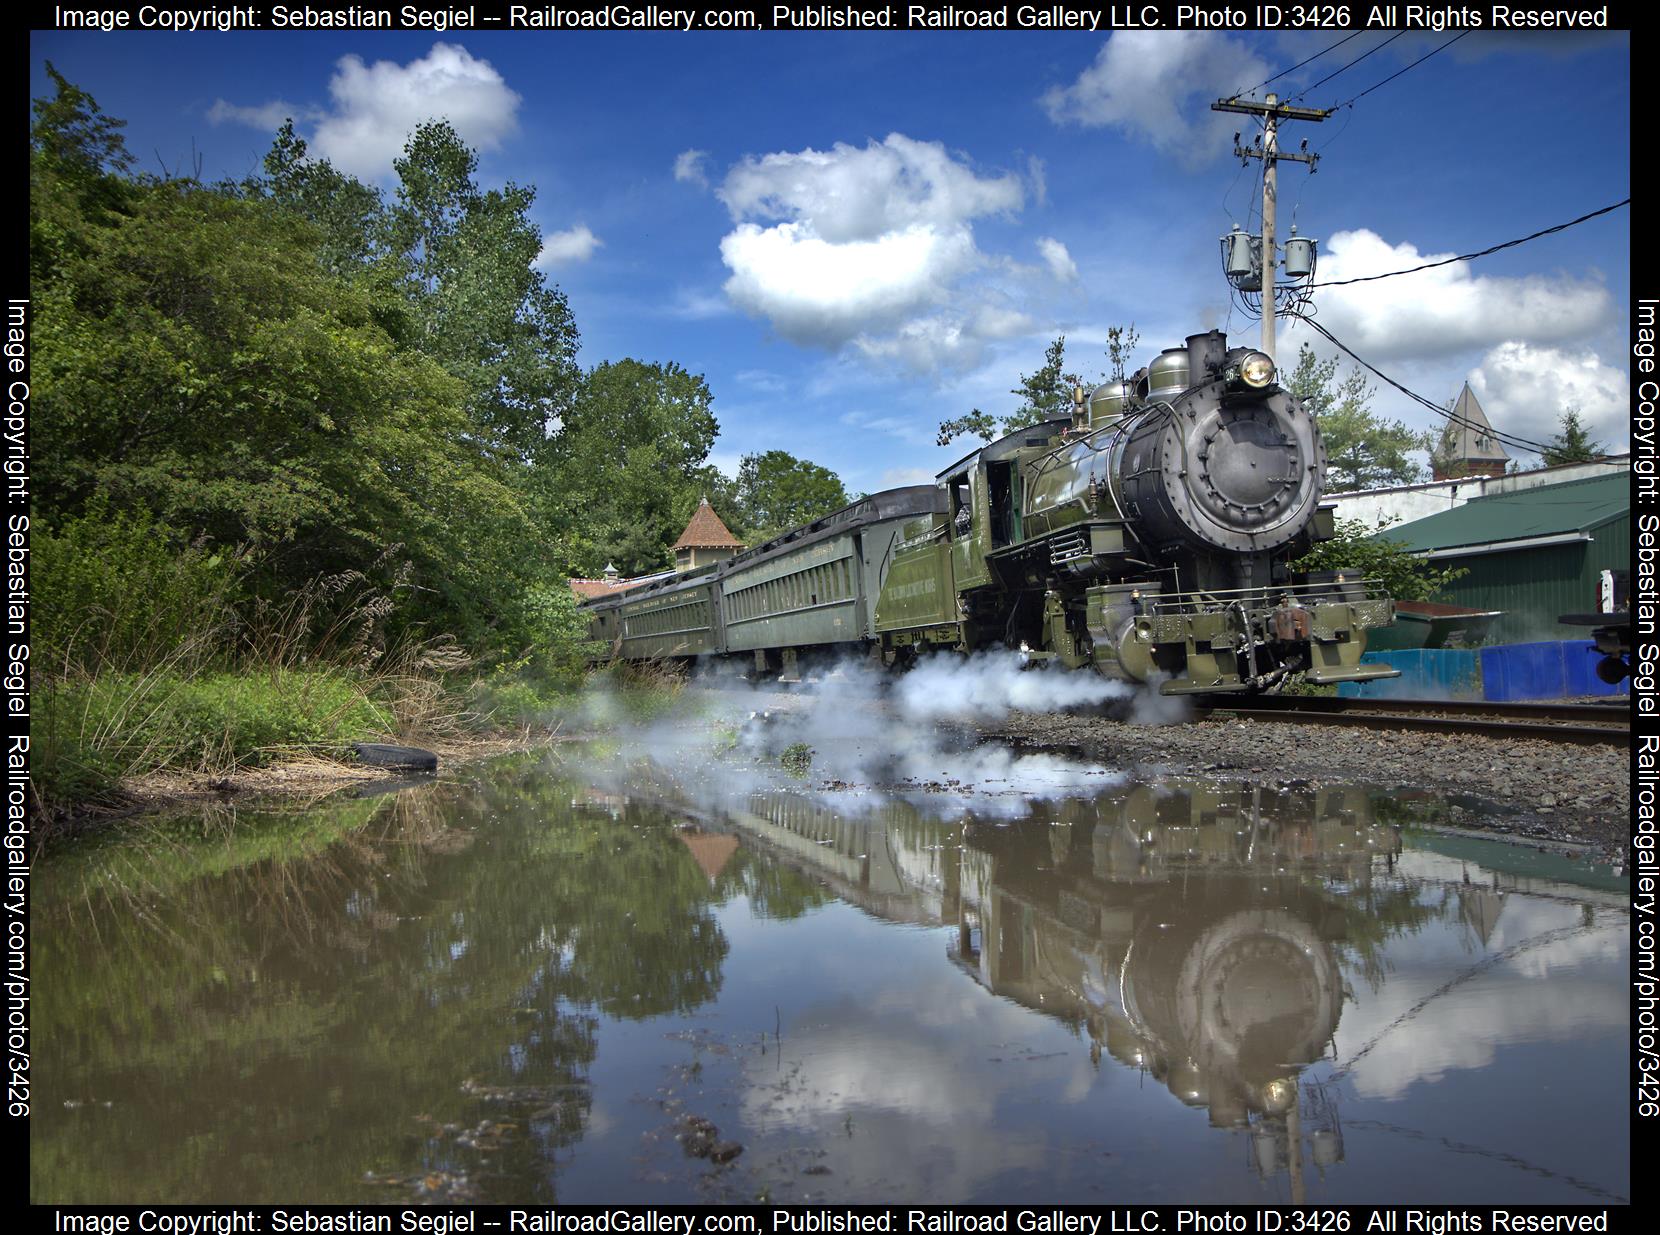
(1191, 933)
(1150, 537)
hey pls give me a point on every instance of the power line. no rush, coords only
(1469, 257)
(1363, 55)
(1409, 67)
(1299, 64)
(1509, 439)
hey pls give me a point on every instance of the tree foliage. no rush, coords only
(1044, 395)
(203, 358)
(777, 491)
(1573, 443)
(1363, 449)
(1370, 554)
(627, 467)
(481, 307)
(461, 261)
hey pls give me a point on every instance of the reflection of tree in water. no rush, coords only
(391, 997)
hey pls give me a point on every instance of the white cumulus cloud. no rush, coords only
(871, 246)
(576, 244)
(375, 107)
(1057, 258)
(1157, 85)
(817, 291)
(267, 116)
(1448, 309)
(1524, 390)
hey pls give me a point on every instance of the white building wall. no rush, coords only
(1405, 503)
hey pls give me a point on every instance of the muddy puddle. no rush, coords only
(683, 964)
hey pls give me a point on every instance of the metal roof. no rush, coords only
(1547, 514)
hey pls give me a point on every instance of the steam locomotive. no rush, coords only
(1149, 536)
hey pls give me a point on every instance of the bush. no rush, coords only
(505, 698)
(119, 592)
(1361, 551)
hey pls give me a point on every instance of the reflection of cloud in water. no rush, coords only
(1506, 1004)
(899, 1092)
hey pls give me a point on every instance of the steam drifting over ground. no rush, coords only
(870, 736)
(988, 686)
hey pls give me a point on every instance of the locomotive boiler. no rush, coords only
(1148, 537)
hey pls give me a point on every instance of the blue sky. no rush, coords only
(855, 236)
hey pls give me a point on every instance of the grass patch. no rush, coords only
(91, 734)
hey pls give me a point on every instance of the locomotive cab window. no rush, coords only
(962, 514)
(1000, 490)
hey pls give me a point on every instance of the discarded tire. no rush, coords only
(411, 758)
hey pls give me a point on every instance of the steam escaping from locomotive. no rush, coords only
(1149, 537)
(988, 686)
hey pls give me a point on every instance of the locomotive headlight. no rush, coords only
(1256, 370)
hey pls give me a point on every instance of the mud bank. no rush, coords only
(303, 778)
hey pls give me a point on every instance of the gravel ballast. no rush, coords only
(1524, 788)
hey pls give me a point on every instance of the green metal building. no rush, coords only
(1535, 554)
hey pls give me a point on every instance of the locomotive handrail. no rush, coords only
(1226, 597)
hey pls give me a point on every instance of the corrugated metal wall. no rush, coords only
(1536, 586)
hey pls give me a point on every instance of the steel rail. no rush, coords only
(1585, 724)
(1613, 712)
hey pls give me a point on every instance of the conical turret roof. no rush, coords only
(706, 531)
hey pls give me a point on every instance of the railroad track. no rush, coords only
(1590, 724)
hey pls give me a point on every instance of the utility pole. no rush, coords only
(1271, 111)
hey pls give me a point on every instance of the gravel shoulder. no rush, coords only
(1524, 788)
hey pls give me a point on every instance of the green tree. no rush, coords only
(1363, 449)
(1044, 395)
(1573, 444)
(627, 467)
(1369, 553)
(74, 141)
(350, 215)
(77, 167)
(1121, 345)
(777, 491)
(196, 360)
(461, 262)
(482, 308)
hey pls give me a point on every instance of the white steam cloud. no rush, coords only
(864, 737)
(989, 686)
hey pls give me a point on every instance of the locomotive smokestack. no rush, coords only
(1206, 354)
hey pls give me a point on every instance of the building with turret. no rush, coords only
(1468, 445)
(706, 540)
